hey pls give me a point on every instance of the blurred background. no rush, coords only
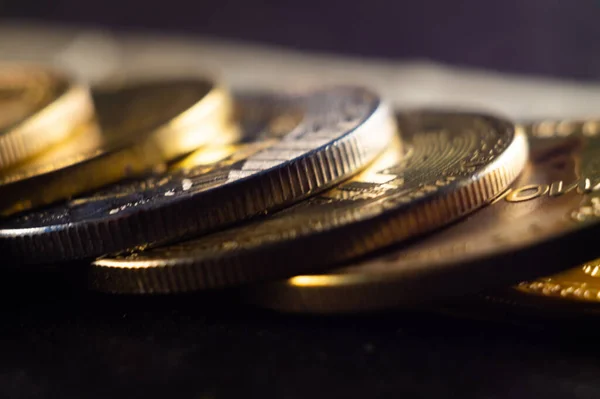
(536, 37)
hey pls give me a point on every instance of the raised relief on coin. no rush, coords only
(453, 164)
(339, 131)
(544, 222)
(40, 107)
(141, 126)
(578, 284)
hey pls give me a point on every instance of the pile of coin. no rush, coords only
(322, 201)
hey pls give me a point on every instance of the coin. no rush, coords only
(546, 221)
(40, 107)
(142, 125)
(455, 164)
(579, 284)
(340, 131)
(576, 289)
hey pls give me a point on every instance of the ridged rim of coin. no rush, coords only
(397, 211)
(341, 131)
(547, 221)
(58, 106)
(121, 146)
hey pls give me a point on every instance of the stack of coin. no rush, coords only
(321, 201)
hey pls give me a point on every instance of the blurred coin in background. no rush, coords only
(40, 107)
(142, 125)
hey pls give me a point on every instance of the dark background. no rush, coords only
(59, 341)
(548, 37)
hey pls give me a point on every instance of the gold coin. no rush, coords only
(547, 221)
(578, 289)
(577, 284)
(326, 136)
(142, 126)
(39, 107)
(455, 163)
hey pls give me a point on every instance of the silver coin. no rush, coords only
(339, 131)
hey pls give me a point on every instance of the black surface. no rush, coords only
(76, 344)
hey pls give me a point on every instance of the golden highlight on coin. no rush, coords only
(454, 164)
(141, 126)
(40, 107)
(580, 284)
(339, 132)
(549, 215)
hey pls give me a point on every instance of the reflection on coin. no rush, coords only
(142, 125)
(40, 107)
(455, 164)
(340, 131)
(547, 221)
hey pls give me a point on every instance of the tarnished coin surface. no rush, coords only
(454, 164)
(338, 132)
(140, 127)
(577, 289)
(39, 107)
(546, 221)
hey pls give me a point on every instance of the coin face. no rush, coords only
(549, 215)
(40, 107)
(454, 163)
(341, 130)
(141, 126)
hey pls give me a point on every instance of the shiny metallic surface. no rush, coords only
(40, 107)
(140, 126)
(454, 163)
(339, 131)
(577, 284)
(550, 211)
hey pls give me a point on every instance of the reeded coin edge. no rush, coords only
(330, 293)
(350, 293)
(270, 189)
(360, 238)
